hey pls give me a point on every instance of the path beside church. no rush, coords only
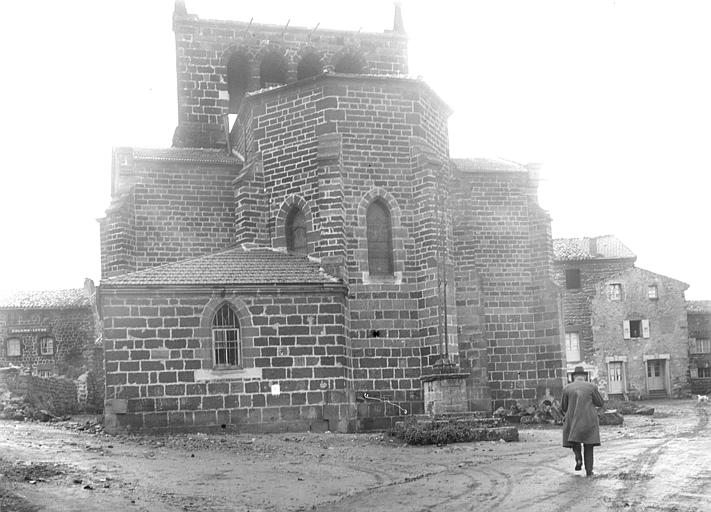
(661, 462)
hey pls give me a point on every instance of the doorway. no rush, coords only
(616, 385)
(656, 375)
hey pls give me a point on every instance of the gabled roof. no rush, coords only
(698, 306)
(606, 247)
(487, 165)
(51, 299)
(247, 264)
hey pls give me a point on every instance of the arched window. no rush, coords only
(296, 232)
(238, 73)
(272, 71)
(226, 342)
(349, 62)
(310, 65)
(380, 240)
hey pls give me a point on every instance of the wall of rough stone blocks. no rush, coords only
(495, 231)
(159, 369)
(168, 212)
(56, 395)
(72, 329)
(668, 330)
(700, 327)
(576, 302)
(203, 48)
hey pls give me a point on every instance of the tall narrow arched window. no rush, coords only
(380, 240)
(273, 69)
(238, 73)
(226, 341)
(309, 65)
(296, 232)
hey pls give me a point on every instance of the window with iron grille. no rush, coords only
(701, 346)
(226, 342)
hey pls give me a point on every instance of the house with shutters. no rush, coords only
(307, 256)
(699, 317)
(627, 326)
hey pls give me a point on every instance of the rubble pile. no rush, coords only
(13, 407)
(628, 407)
(546, 411)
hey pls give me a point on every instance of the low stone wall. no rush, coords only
(54, 394)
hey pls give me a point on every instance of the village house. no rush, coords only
(699, 318)
(49, 332)
(627, 326)
(308, 256)
(579, 265)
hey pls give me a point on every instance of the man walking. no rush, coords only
(581, 425)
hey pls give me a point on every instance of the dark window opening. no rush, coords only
(635, 328)
(238, 73)
(296, 232)
(349, 63)
(310, 65)
(273, 70)
(572, 278)
(226, 342)
(380, 243)
(704, 373)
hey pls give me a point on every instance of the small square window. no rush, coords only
(572, 278)
(616, 291)
(652, 292)
(13, 347)
(46, 346)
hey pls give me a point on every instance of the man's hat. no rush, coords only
(579, 370)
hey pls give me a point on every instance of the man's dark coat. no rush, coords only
(581, 424)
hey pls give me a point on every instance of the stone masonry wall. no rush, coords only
(203, 49)
(331, 147)
(667, 329)
(576, 302)
(700, 327)
(518, 314)
(173, 211)
(159, 371)
(72, 330)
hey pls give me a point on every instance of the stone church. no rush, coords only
(307, 256)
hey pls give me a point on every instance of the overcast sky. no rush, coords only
(613, 97)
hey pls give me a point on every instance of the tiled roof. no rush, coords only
(606, 247)
(51, 299)
(486, 165)
(186, 155)
(698, 306)
(247, 264)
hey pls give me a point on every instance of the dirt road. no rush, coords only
(659, 463)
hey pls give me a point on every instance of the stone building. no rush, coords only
(49, 332)
(640, 335)
(308, 256)
(579, 265)
(627, 326)
(699, 318)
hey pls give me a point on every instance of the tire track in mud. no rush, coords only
(635, 483)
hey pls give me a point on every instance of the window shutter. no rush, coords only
(645, 328)
(626, 329)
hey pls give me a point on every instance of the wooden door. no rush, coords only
(655, 375)
(615, 382)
